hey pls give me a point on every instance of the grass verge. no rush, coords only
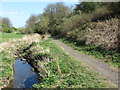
(68, 72)
(6, 68)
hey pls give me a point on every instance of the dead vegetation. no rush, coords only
(104, 33)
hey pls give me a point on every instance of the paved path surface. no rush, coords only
(102, 68)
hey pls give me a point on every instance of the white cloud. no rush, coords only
(16, 13)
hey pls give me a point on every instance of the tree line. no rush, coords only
(59, 19)
(7, 27)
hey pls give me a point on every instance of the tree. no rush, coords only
(114, 7)
(30, 24)
(0, 24)
(6, 22)
(6, 25)
(86, 7)
(6, 29)
(55, 12)
(42, 26)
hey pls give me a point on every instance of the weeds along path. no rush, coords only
(102, 68)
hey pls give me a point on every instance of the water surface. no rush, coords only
(24, 76)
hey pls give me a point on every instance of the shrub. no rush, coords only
(6, 29)
(100, 13)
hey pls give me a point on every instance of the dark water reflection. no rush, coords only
(24, 77)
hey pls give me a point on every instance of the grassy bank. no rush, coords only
(110, 57)
(7, 59)
(6, 68)
(9, 36)
(68, 72)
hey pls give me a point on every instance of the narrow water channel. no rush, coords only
(24, 76)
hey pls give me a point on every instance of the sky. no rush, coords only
(19, 12)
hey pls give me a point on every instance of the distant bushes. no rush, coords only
(5, 25)
(6, 29)
(20, 30)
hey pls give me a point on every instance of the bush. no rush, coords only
(20, 30)
(7, 29)
(100, 14)
(114, 7)
(74, 22)
(87, 7)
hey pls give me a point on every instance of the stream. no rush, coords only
(24, 76)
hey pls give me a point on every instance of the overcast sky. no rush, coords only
(19, 12)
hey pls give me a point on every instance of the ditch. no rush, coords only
(24, 75)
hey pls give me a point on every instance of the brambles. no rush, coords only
(103, 34)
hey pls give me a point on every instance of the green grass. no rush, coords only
(110, 57)
(6, 59)
(9, 36)
(73, 73)
(6, 69)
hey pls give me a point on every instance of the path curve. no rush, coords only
(102, 68)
